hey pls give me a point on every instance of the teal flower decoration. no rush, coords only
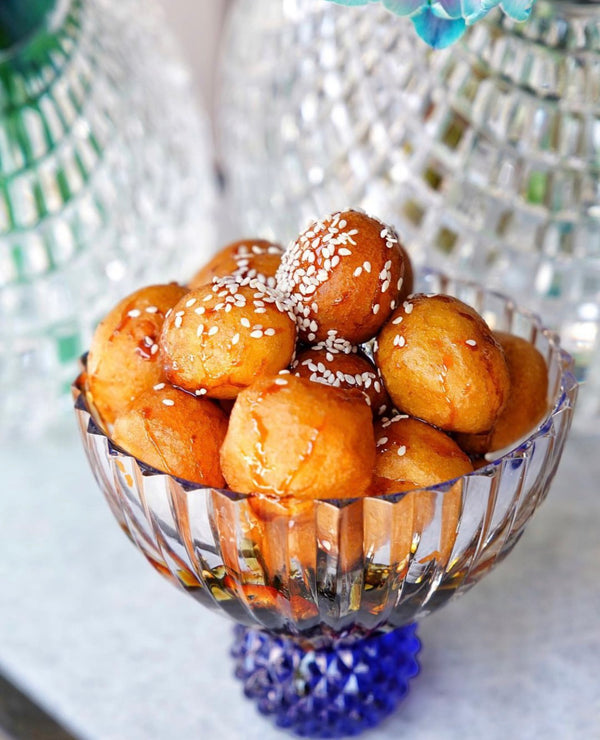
(442, 22)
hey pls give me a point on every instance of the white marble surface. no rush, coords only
(117, 653)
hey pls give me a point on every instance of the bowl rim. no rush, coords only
(565, 398)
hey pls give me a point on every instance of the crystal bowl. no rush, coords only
(338, 572)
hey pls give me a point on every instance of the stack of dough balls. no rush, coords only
(314, 373)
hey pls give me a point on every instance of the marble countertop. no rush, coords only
(115, 652)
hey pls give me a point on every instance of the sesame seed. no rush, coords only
(399, 341)
(260, 309)
(398, 320)
(151, 309)
(471, 343)
(207, 297)
(270, 332)
(381, 441)
(154, 349)
(201, 392)
(212, 331)
(280, 381)
(401, 451)
(256, 334)
(200, 310)
(180, 313)
(408, 307)
(168, 313)
(376, 308)
(158, 386)
(168, 402)
(178, 321)
(245, 322)
(343, 252)
(235, 338)
(190, 303)
(367, 266)
(357, 272)
(200, 330)
(134, 313)
(377, 386)
(385, 286)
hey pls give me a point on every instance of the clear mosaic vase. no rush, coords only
(105, 183)
(485, 155)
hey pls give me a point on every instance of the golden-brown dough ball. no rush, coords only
(412, 454)
(343, 274)
(288, 436)
(411, 450)
(253, 258)
(221, 337)
(338, 363)
(440, 362)
(173, 431)
(527, 400)
(124, 360)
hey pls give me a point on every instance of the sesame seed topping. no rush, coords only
(134, 313)
(357, 272)
(367, 266)
(154, 349)
(212, 331)
(151, 309)
(245, 322)
(280, 381)
(376, 308)
(256, 334)
(158, 386)
(235, 338)
(471, 343)
(178, 321)
(201, 392)
(381, 441)
(168, 402)
(399, 341)
(408, 307)
(401, 451)
(270, 332)
(200, 330)
(190, 303)
(398, 320)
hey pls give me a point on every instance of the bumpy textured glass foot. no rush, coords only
(334, 691)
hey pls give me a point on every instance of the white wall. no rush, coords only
(197, 24)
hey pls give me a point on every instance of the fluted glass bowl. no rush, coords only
(322, 569)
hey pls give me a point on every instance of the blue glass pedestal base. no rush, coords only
(335, 691)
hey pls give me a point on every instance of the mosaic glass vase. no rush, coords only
(105, 183)
(484, 155)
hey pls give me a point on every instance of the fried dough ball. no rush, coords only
(412, 454)
(223, 336)
(253, 258)
(173, 431)
(527, 400)
(345, 274)
(440, 362)
(123, 360)
(288, 436)
(409, 450)
(338, 363)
